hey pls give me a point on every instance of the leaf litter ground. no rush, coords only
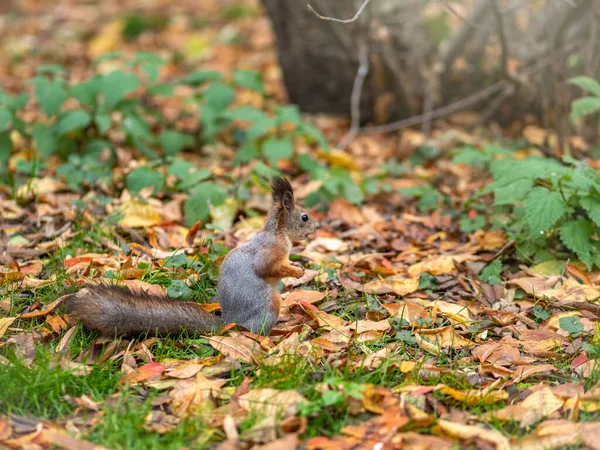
(396, 337)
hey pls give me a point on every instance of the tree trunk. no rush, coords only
(436, 54)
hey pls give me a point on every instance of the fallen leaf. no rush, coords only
(239, 347)
(271, 402)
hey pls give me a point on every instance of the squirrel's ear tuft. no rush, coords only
(282, 192)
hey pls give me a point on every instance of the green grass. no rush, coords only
(40, 390)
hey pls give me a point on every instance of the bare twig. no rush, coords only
(468, 21)
(359, 80)
(438, 113)
(501, 38)
(333, 19)
(463, 103)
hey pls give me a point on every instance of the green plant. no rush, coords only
(587, 105)
(82, 124)
(551, 209)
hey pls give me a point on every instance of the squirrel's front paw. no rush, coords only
(299, 269)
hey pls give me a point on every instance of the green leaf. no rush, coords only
(86, 91)
(179, 289)
(103, 122)
(277, 149)
(173, 141)
(143, 177)
(45, 138)
(246, 153)
(136, 127)
(592, 205)
(584, 106)
(245, 113)
(197, 78)
(491, 273)
(116, 85)
(218, 96)
(586, 83)
(108, 56)
(543, 208)
(50, 69)
(248, 79)
(571, 324)
(471, 156)
(261, 127)
(512, 193)
(468, 226)
(196, 207)
(73, 120)
(576, 237)
(540, 313)
(195, 177)
(180, 168)
(49, 94)
(288, 113)
(5, 119)
(5, 149)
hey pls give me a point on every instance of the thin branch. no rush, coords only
(501, 38)
(464, 102)
(333, 19)
(438, 113)
(359, 80)
(468, 21)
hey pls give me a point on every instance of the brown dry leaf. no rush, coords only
(399, 286)
(572, 291)
(309, 275)
(476, 396)
(526, 371)
(193, 395)
(5, 429)
(474, 432)
(407, 311)
(362, 326)
(551, 434)
(138, 214)
(47, 309)
(6, 322)
(185, 371)
(60, 439)
(345, 211)
(440, 338)
(271, 402)
(539, 341)
(535, 135)
(457, 313)
(440, 264)
(288, 442)
(238, 347)
(142, 286)
(374, 360)
(24, 344)
(307, 296)
(325, 320)
(147, 372)
(535, 285)
(541, 403)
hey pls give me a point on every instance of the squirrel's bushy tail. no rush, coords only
(116, 311)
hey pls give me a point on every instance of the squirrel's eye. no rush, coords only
(304, 217)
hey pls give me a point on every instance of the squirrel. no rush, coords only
(246, 287)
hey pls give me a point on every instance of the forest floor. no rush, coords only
(416, 324)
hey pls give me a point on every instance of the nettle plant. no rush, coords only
(551, 209)
(84, 123)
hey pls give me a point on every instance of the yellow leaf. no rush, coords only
(399, 286)
(224, 214)
(271, 402)
(107, 40)
(338, 158)
(439, 265)
(138, 214)
(475, 396)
